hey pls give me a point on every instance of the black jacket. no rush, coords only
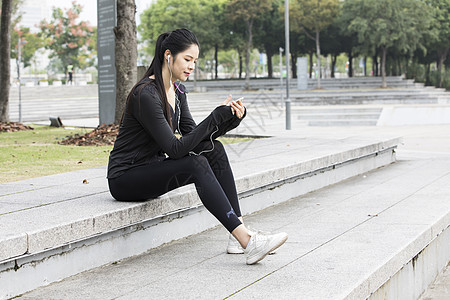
(145, 135)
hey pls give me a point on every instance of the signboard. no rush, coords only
(302, 73)
(106, 16)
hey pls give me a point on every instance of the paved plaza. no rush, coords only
(341, 237)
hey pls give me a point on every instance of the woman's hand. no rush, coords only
(227, 101)
(236, 106)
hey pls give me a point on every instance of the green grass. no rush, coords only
(34, 153)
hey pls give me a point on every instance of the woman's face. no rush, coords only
(184, 63)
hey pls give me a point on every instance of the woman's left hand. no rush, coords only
(237, 108)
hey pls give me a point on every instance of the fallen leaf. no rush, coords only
(85, 181)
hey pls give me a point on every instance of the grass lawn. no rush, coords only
(34, 153)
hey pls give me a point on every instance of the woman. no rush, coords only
(148, 160)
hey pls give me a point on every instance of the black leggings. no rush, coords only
(210, 172)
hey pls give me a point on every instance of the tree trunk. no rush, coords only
(216, 50)
(350, 64)
(365, 65)
(294, 65)
(427, 74)
(374, 64)
(383, 66)
(310, 64)
(247, 55)
(318, 59)
(5, 72)
(442, 55)
(126, 54)
(333, 65)
(240, 64)
(269, 63)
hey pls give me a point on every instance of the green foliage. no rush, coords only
(229, 60)
(438, 79)
(14, 7)
(312, 15)
(167, 15)
(70, 41)
(242, 14)
(440, 10)
(31, 42)
(247, 10)
(399, 24)
(269, 33)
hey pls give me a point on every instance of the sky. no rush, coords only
(89, 12)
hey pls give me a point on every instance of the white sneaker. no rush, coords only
(261, 244)
(233, 246)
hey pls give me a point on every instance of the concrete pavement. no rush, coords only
(337, 235)
(310, 265)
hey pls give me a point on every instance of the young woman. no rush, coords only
(148, 160)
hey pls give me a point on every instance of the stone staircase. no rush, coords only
(326, 107)
(339, 116)
(56, 226)
(328, 83)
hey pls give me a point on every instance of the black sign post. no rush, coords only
(107, 20)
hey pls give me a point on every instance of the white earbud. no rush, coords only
(168, 56)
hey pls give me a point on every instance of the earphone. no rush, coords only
(168, 57)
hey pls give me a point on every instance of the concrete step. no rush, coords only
(75, 102)
(54, 92)
(340, 122)
(56, 226)
(339, 116)
(327, 83)
(338, 109)
(381, 235)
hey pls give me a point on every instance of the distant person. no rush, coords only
(70, 72)
(148, 160)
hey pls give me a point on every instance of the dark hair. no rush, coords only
(176, 41)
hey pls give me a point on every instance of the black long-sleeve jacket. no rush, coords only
(145, 135)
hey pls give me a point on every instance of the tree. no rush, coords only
(311, 17)
(386, 24)
(219, 28)
(237, 41)
(269, 36)
(126, 54)
(5, 73)
(70, 41)
(348, 40)
(207, 25)
(441, 15)
(331, 44)
(248, 11)
(30, 44)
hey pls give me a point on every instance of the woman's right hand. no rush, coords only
(236, 106)
(227, 101)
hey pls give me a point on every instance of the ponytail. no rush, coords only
(176, 41)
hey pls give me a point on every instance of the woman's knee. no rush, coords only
(197, 162)
(218, 146)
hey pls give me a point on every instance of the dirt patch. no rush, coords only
(101, 136)
(13, 127)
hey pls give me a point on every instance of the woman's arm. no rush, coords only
(187, 123)
(149, 113)
(229, 125)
